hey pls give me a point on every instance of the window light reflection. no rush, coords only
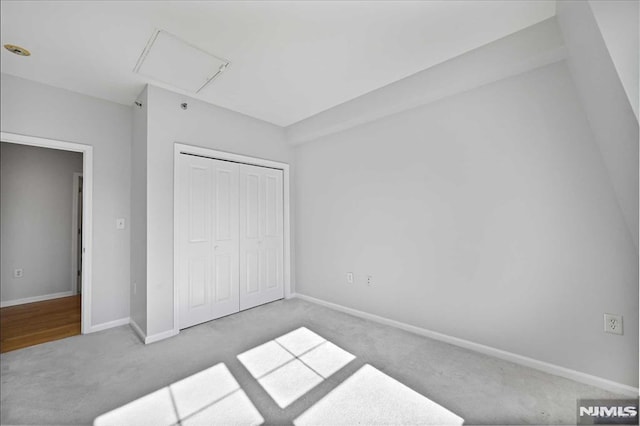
(372, 397)
(293, 364)
(212, 396)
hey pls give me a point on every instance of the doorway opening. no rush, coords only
(46, 253)
(76, 234)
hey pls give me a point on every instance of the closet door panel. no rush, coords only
(225, 239)
(251, 268)
(272, 207)
(224, 277)
(194, 266)
(207, 269)
(225, 211)
(251, 198)
(261, 236)
(272, 271)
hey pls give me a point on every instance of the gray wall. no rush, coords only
(39, 110)
(203, 125)
(36, 193)
(139, 214)
(486, 216)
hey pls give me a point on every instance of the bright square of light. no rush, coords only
(202, 389)
(300, 341)
(155, 409)
(235, 409)
(264, 358)
(371, 397)
(289, 382)
(326, 359)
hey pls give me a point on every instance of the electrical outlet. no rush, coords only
(120, 223)
(18, 273)
(613, 323)
(369, 280)
(349, 277)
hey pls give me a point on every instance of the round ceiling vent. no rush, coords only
(17, 50)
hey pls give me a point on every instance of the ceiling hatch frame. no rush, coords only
(168, 59)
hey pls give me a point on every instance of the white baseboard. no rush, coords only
(154, 337)
(159, 336)
(109, 324)
(487, 350)
(14, 302)
(137, 329)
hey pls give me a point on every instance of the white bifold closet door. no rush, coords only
(261, 236)
(230, 219)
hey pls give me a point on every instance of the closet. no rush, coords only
(230, 237)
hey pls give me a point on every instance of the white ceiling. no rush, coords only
(289, 60)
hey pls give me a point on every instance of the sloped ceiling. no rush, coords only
(612, 120)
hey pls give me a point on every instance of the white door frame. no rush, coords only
(74, 233)
(87, 208)
(228, 156)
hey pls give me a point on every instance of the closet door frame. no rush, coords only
(181, 148)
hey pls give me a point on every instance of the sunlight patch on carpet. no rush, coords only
(209, 396)
(153, 409)
(291, 365)
(371, 397)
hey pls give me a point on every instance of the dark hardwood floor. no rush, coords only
(39, 322)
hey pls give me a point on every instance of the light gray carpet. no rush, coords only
(74, 380)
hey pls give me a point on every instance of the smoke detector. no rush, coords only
(172, 61)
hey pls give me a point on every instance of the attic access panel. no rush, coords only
(170, 60)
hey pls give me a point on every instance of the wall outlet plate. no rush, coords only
(369, 280)
(349, 277)
(613, 323)
(18, 273)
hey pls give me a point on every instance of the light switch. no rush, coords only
(120, 223)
